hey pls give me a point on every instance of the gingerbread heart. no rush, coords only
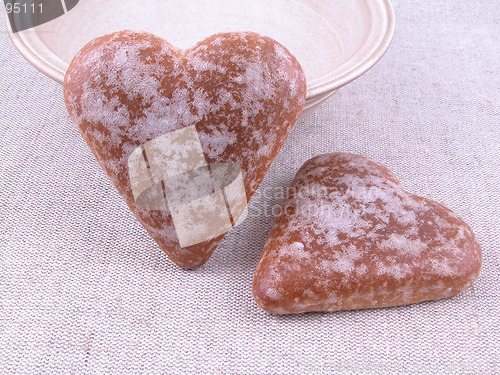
(185, 136)
(349, 237)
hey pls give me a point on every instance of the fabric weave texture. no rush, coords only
(85, 290)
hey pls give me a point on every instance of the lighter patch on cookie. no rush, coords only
(295, 251)
(404, 244)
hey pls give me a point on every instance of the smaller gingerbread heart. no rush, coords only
(349, 237)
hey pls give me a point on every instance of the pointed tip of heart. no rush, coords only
(271, 296)
(266, 295)
(190, 264)
(190, 257)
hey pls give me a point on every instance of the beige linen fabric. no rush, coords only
(85, 290)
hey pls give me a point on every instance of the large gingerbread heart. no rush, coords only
(349, 237)
(186, 136)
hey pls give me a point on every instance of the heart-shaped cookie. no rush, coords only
(349, 237)
(186, 136)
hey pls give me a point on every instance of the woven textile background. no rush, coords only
(84, 289)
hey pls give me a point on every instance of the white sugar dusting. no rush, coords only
(295, 251)
(273, 293)
(412, 246)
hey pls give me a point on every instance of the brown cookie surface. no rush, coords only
(349, 237)
(234, 97)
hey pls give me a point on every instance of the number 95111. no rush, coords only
(23, 8)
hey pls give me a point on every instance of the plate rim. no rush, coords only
(321, 88)
(388, 25)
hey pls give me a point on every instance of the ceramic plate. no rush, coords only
(335, 41)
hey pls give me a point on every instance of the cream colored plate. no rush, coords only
(335, 40)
